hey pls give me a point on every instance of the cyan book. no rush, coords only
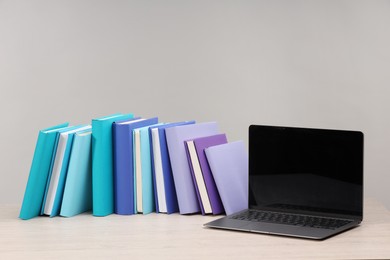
(102, 164)
(39, 171)
(55, 165)
(60, 168)
(77, 197)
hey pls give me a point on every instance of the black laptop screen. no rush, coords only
(306, 169)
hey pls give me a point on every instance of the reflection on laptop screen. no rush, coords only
(306, 169)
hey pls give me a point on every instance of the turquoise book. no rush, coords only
(102, 164)
(39, 171)
(77, 197)
(55, 168)
(144, 190)
(55, 190)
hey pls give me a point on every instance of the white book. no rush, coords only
(158, 172)
(57, 166)
(138, 170)
(204, 197)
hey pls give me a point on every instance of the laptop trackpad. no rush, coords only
(267, 227)
(288, 230)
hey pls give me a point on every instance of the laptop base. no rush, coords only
(278, 229)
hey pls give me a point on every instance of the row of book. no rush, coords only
(127, 165)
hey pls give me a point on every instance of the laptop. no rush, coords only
(303, 182)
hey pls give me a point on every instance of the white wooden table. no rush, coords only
(160, 236)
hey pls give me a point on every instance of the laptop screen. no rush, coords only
(306, 169)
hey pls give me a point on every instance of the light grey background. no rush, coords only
(299, 63)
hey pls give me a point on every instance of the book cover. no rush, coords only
(60, 167)
(229, 166)
(164, 187)
(175, 137)
(77, 197)
(102, 164)
(200, 145)
(39, 171)
(124, 163)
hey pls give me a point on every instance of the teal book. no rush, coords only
(55, 167)
(56, 185)
(39, 171)
(144, 190)
(102, 164)
(77, 197)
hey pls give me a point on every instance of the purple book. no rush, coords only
(229, 166)
(212, 191)
(186, 195)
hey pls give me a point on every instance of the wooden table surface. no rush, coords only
(160, 236)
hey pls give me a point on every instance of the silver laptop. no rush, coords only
(303, 182)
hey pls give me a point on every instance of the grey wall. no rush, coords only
(299, 63)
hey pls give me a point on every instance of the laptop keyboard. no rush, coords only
(291, 219)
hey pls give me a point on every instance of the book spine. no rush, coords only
(102, 177)
(147, 182)
(123, 170)
(34, 192)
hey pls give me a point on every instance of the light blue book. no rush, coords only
(77, 196)
(64, 168)
(39, 171)
(55, 187)
(54, 165)
(102, 164)
(144, 191)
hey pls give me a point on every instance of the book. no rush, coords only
(197, 176)
(52, 163)
(143, 166)
(55, 187)
(229, 166)
(164, 187)
(205, 184)
(156, 167)
(175, 137)
(77, 197)
(124, 163)
(137, 171)
(102, 164)
(39, 171)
